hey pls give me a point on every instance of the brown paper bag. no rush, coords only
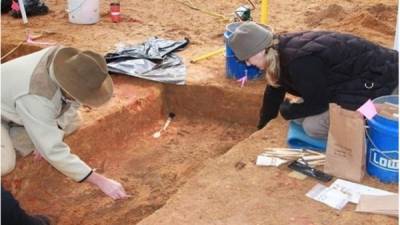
(345, 153)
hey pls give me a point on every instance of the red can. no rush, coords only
(115, 12)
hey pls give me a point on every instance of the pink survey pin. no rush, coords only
(242, 81)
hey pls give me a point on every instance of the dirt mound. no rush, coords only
(377, 19)
(371, 22)
(382, 12)
(332, 12)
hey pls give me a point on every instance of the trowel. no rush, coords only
(158, 133)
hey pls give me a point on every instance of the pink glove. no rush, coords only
(110, 187)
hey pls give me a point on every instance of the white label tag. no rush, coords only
(269, 161)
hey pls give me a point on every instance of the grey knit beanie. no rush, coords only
(249, 39)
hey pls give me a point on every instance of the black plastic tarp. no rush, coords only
(152, 60)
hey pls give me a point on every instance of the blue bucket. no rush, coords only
(383, 141)
(235, 68)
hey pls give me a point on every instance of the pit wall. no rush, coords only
(113, 129)
(229, 105)
(22, 50)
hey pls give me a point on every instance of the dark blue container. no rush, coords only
(383, 144)
(235, 68)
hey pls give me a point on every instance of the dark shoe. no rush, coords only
(41, 220)
(5, 6)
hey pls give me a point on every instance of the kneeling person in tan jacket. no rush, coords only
(40, 97)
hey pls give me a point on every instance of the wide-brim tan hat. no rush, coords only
(83, 75)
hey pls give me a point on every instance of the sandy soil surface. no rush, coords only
(171, 19)
(233, 190)
(221, 193)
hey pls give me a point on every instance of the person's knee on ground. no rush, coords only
(23, 144)
(21, 140)
(8, 156)
(317, 126)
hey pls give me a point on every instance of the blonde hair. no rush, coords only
(272, 70)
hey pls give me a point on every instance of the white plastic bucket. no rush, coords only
(84, 11)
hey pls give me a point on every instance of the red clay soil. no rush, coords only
(117, 140)
(120, 145)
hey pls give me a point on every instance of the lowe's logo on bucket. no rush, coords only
(379, 160)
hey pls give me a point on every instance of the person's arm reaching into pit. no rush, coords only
(39, 117)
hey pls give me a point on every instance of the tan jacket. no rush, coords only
(30, 98)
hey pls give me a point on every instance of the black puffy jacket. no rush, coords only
(325, 67)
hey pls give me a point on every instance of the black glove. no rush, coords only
(262, 122)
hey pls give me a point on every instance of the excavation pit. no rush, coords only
(202, 169)
(117, 139)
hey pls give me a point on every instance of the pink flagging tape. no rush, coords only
(368, 109)
(31, 41)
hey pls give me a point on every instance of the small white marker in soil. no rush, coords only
(158, 133)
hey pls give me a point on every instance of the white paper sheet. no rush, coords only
(354, 190)
(331, 197)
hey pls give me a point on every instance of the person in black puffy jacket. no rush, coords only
(320, 67)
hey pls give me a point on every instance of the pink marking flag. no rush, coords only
(15, 6)
(242, 81)
(31, 41)
(368, 109)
